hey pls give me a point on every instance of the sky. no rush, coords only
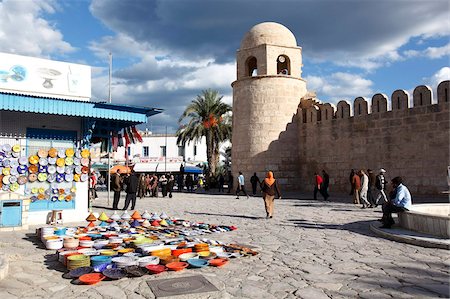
(166, 52)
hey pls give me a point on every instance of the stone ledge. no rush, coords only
(4, 266)
(406, 236)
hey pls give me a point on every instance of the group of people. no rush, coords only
(368, 189)
(142, 185)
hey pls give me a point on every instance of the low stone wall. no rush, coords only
(427, 219)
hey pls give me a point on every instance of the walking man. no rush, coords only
(241, 186)
(325, 185)
(116, 186)
(132, 187)
(317, 184)
(356, 185)
(364, 189)
(380, 184)
(254, 180)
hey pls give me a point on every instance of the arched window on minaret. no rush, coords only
(283, 65)
(252, 66)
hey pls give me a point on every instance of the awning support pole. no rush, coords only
(109, 174)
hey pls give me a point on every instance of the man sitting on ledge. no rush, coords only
(400, 202)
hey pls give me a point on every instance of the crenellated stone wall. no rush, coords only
(412, 142)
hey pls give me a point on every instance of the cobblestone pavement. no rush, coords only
(310, 249)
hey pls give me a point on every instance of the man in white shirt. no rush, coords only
(241, 186)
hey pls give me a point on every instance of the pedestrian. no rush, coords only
(189, 183)
(116, 186)
(241, 185)
(317, 184)
(380, 185)
(221, 182)
(132, 182)
(352, 187)
(254, 180)
(230, 181)
(148, 186)
(400, 202)
(269, 186)
(170, 184)
(163, 182)
(93, 186)
(372, 190)
(364, 189)
(180, 181)
(155, 186)
(141, 185)
(356, 186)
(325, 185)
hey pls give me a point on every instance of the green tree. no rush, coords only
(206, 116)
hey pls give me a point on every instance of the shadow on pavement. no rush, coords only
(360, 227)
(226, 215)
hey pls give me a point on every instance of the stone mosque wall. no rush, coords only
(412, 142)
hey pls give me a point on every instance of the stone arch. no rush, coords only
(311, 114)
(326, 112)
(360, 106)
(379, 103)
(343, 109)
(400, 100)
(283, 65)
(422, 96)
(443, 91)
(251, 66)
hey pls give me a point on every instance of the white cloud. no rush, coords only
(24, 31)
(340, 86)
(430, 52)
(441, 75)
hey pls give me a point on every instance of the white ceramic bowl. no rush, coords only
(148, 260)
(189, 255)
(54, 244)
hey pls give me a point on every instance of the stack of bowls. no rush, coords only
(86, 243)
(47, 231)
(77, 261)
(100, 243)
(161, 252)
(201, 247)
(70, 242)
(164, 260)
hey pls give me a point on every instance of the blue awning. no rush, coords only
(32, 104)
(193, 169)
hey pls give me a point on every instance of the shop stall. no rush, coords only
(47, 125)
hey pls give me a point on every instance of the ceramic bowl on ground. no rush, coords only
(115, 273)
(177, 266)
(75, 273)
(61, 254)
(224, 255)
(91, 278)
(197, 263)
(218, 262)
(125, 250)
(177, 252)
(210, 256)
(156, 269)
(71, 243)
(148, 260)
(164, 260)
(54, 244)
(132, 254)
(215, 249)
(135, 271)
(86, 243)
(190, 255)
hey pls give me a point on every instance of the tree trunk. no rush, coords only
(209, 153)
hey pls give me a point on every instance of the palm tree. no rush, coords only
(208, 116)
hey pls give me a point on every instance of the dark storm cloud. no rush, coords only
(215, 28)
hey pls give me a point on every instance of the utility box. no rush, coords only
(10, 213)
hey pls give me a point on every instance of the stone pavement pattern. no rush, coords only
(309, 250)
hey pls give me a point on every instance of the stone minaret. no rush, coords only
(266, 95)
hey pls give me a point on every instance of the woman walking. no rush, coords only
(268, 187)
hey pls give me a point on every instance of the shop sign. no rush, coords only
(43, 77)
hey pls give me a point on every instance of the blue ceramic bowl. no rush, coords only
(197, 263)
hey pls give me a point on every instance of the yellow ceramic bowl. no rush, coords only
(108, 252)
(126, 250)
(204, 253)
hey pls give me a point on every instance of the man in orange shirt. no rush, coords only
(356, 181)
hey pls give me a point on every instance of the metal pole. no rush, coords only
(109, 174)
(110, 76)
(165, 156)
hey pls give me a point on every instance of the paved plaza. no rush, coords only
(310, 249)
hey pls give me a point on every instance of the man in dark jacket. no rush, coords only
(132, 183)
(116, 186)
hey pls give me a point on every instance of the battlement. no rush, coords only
(313, 111)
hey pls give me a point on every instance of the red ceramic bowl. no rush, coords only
(91, 278)
(177, 266)
(85, 238)
(218, 262)
(155, 269)
(177, 252)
